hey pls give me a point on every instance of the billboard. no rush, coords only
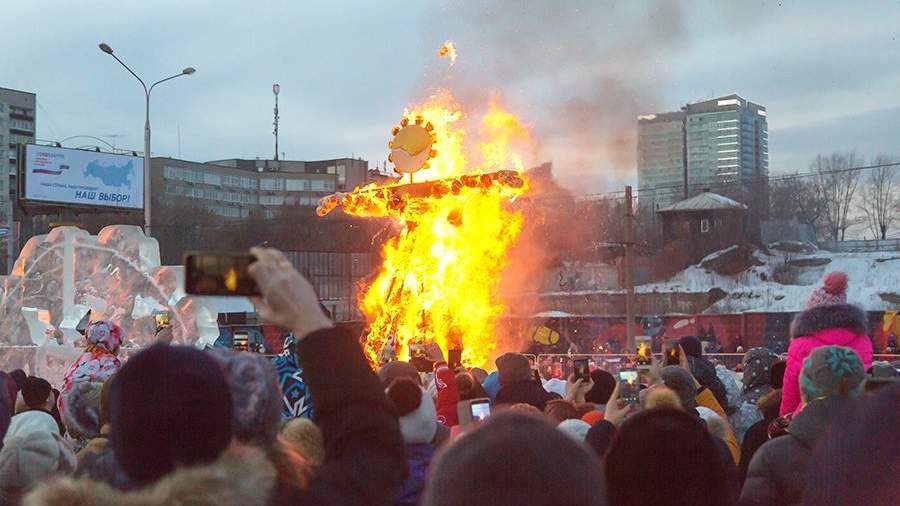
(78, 177)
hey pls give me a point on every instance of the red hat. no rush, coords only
(836, 283)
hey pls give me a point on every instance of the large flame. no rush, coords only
(440, 275)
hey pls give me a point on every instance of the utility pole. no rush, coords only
(275, 90)
(629, 269)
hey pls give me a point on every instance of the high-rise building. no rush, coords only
(17, 126)
(719, 145)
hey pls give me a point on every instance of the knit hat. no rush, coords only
(675, 449)
(515, 459)
(82, 414)
(35, 392)
(306, 437)
(832, 291)
(255, 396)
(418, 417)
(33, 451)
(682, 383)
(604, 383)
(662, 397)
(525, 409)
(592, 417)
(575, 429)
(691, 346)
(882, 369)
(398, 369)
(106, 335)
(757, 377)
(170, 406)
(513, 367)
(832, 370)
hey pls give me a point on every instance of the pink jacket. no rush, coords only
(835, 325)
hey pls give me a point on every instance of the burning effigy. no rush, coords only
(440, 273)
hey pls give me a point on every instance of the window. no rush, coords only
(297, 185)
(271, 184)
(318, 186)
(704, 226)
(271, 200)
(212, 179)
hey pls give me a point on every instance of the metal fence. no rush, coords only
(336, 278)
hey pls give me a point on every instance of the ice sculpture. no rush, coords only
(116, 275)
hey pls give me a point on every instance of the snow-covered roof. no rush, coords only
(704, 202)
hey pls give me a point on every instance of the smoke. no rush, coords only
(579, 71)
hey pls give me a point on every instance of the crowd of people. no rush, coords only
(317, 425)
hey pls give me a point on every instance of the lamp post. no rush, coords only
(275, 90)
(186, 72)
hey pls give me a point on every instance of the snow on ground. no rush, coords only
(755, 289)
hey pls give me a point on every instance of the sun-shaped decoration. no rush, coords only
(411, 146)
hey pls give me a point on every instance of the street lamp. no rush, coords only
(186, 72)
(275, 90)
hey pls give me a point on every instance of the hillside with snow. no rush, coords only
(781, 277)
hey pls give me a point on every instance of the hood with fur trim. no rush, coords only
(242, 475)
(836, 316)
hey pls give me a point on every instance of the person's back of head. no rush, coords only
(604, 383)
(680, 381)
(255, 397)
(169, 406)
(832, 371)
(559, 410)
(515, 459)
(306, 437)
(776, 374)
(665, 456)
(33, 451)
(415, 409)
(857, 461)
(37, 394)
(512, 368)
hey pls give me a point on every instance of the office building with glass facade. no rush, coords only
(723, 148)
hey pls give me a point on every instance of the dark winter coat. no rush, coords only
(418, 458)
(705, 373)
(526, 392)
(777, 472)
(365, 464)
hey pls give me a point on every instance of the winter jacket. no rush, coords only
(98, 362)
(840, 325)
(706, 399)
(418, 459)
(364, 450)
(447, 394)
(705, 373)
(777, 471)
(527, 392)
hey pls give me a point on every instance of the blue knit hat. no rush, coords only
(832, 370)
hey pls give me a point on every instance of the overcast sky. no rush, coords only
(577, 71)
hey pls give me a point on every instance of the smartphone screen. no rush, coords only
(219, 274)
(162, 320)
(643, 352)
(582, 369)
(629, 387)
(241, 341)
(480, 411)
(673, 353)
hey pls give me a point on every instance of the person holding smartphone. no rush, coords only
(365, 456)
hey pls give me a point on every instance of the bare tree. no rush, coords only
(879, 202)
(836, 185)
(798, 198)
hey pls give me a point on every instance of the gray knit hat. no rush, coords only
(255, 396)
(682, 383)
(832, 370)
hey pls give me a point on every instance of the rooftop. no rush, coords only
(704, 202)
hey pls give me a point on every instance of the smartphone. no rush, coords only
(219, 274)
(82, 326)
(643, 352)
(582, 369)
(629, 386)
(672, 353)
(454, 358)
(473, 410)
(240, 341)
(162, 320)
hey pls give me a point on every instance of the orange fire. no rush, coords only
(440, 275)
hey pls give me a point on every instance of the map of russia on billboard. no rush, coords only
(88, 178)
